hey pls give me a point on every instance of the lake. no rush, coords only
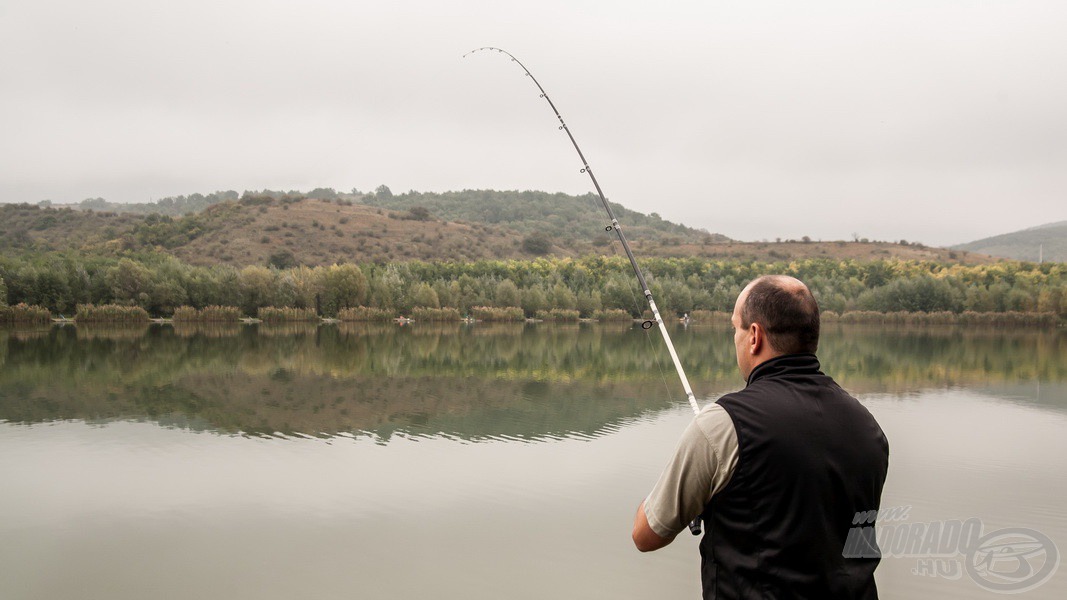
(476, 461)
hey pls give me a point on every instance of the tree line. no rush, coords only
(59, 281)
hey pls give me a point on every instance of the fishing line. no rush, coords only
(645, 330)
(614, 226)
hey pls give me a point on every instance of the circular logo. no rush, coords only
(1012, 560)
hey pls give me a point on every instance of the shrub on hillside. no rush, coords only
(537, 243)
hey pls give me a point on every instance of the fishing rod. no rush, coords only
(613, 227)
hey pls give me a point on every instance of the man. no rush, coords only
(776, 471)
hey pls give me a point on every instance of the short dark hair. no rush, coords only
(788, 313)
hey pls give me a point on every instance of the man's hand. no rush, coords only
(645, 539)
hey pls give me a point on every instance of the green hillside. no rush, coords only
(560, 216)
(568, 220)
(1049, 239)
(324, 227)
(292, 230)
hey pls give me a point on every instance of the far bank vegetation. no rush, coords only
(130, 289)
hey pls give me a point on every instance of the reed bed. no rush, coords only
(558, 314)
(1009, 319)
(613, 314)
(208, 314)
(110, 313)
(25, 314)
(435, 314)
(494, 313)
(971, 318)
(366, 313)
(274, 314)
(185, 314)
(220, 314)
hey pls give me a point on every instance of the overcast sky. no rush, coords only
(934, 121)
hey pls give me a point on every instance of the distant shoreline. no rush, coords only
(968, 318)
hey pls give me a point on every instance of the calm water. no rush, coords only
(459, 462)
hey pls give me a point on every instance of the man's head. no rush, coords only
(774, 315)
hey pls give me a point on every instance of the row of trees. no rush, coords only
(159, 284)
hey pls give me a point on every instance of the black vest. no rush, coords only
(810, 456)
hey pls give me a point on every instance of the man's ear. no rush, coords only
(756, 338)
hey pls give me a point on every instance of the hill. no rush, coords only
(292, 230)
(258, 230)
(1049, 239)
(559, 216)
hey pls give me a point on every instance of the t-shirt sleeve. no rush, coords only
(702, 465)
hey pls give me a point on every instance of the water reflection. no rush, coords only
(467, 382)
(123, 510)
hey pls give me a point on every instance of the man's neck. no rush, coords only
(784, 363)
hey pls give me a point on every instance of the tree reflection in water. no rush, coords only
(471, 382)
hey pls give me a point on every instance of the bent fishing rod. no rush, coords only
(613, 227)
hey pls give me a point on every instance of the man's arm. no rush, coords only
(702, 465)
(645, 539)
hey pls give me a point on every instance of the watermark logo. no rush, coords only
(1013, 560)
(1009, 561)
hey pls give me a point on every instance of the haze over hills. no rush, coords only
(1048, 242)
(324, 227)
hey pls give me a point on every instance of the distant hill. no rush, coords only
(560, 216)
(288, 228)
(1051, 239)
(258, 230)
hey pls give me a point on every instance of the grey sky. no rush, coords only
(934, 121)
